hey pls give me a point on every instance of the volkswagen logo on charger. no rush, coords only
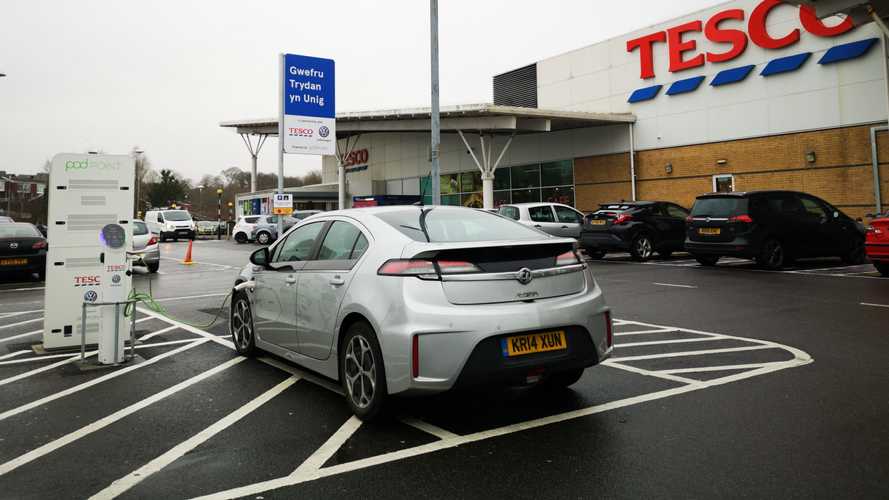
(524, 276)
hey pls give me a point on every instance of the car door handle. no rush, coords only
(337, 281)
(536, 225)
(564, 227)
(290, 280)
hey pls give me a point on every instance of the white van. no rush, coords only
(170, 224)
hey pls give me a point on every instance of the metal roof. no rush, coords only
(487, 118)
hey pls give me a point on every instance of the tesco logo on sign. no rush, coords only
(356, 157)
(683, 53)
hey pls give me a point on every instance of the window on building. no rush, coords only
(563, 195)
(557, 173)
(525, 195)
(501, 198)
(525, 176)
(470, 181)
(501, 179)
(472, 200)
(723, 183)
(450, 184)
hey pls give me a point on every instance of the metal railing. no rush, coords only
(116, 326)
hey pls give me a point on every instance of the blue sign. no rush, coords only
(309, 107)
(309, 86)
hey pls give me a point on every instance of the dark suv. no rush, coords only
(640, 227)
(772, 227)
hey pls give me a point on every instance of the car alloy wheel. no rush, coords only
(242, 325)
(642, 247)
(772, 255)
(360, 372)
(263, 238)
(241, 238)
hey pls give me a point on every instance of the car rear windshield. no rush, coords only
(511, 212)
(16, 230)
(615, 207)
(176, 215)
(448, 225)
(139, 228)
(719, 206)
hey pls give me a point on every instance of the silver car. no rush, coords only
(553, 218)
(145, 242)
(419, 300)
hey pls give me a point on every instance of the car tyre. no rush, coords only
(596, 254)
(153, 267)
(564, 378)
(240, 238)
(883, 268)
(264, 238)
(241, 325)
(707, 260)
(642, 248)
(856, 254)
(362, 373)
(772, 255)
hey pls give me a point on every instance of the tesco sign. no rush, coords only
(683, 53)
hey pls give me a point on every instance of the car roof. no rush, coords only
(534, 204)
(637, 203)
(745, 194)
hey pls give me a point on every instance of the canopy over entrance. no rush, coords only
(485, 120)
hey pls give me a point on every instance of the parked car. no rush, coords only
(5, 219)
(208, 227)
(772, 227)
(639, 227)
(22, 249)
(267, 232)
(419, 300)
(877, 243)
(243, 230)
(553, 218)
(170, 224)
(145, 242)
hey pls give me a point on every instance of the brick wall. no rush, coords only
(841, 172)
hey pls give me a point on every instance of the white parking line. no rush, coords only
(7, 339)
(21, 323)
(137, 476)
(868, 304)
(187, 297)
(189, 328)
(644, 332)
(673, 285)
(86, 385)
(676, 341)
(22, 289)
(718, 368)
(15, 353)
(333, 443)
(114, 417)
(692, 353)
(18, 313)
(428, 428)
(649, 373)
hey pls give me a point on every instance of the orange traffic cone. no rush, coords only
(188, 260)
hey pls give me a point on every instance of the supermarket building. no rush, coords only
(750, 94)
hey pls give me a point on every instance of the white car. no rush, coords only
(170, 224)
(243, 230)
(553, 218)
(418, 300)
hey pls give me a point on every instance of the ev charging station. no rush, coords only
(90, 230)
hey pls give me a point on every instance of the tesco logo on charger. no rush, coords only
(683, 55)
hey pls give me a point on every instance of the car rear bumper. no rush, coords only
(149, 257)
(878, 252)
(603, 241)
(179, 233)
(461, 344)
(739, 247)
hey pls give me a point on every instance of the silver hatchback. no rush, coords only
(414, 300)
(552, 218)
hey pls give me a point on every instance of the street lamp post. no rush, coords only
(219, 214)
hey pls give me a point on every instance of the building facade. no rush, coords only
(749, 94)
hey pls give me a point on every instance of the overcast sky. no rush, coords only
(162, 74)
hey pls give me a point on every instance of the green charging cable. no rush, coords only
(153, 305)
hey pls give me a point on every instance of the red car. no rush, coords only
(877, 243)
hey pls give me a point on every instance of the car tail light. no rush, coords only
(152, 240)
(609, 329)
(421, 268)
(457, 267)
(40, 244)
(567, 259)
(415, 356)
(623, 218)
(741, 218)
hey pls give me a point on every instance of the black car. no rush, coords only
(640, 227)
(772, 227)
(22, 249)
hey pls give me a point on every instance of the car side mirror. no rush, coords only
(160, 218)
(260, 258)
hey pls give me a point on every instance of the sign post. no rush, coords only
(307, 111)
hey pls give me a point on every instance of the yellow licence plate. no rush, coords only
(13, 262)
(709, 230)
(536, 342)
(598, 222)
